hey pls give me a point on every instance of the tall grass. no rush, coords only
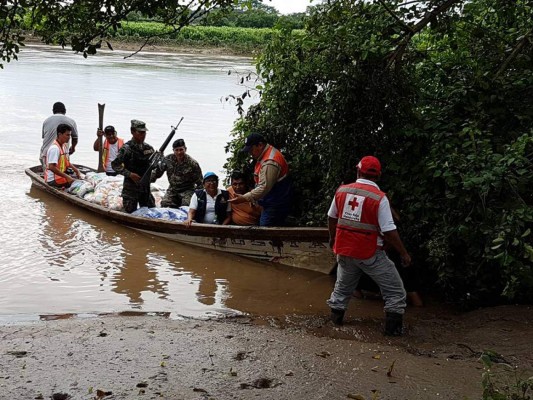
(237, 39)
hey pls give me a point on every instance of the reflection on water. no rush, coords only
(137, 274)
(88, 265)
(57, 259)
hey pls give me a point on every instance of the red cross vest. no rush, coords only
(105, 152)
(271, 153)
(62, 164)
(357, 225)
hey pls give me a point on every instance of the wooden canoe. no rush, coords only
(296, 247)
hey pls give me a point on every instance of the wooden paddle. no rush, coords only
(101, 108)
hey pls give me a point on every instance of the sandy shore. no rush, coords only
(242, 358)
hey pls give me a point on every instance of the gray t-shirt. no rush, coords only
(50, 125)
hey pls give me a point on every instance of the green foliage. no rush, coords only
(258, 15)
(86, 24)
(444, 99)
(11, 36)
(247, 18)
(500, 381)
(242, 39)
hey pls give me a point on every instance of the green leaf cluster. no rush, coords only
(242, 39)
(502, 381)
(85, 25)
(442, 93)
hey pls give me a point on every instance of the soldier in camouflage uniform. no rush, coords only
(184, 176)
(132, 162)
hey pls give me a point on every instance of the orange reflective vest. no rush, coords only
(357, 225)
(62, 164)
(105, 152)
(271, 153)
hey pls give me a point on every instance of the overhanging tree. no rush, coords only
(442, 93)
(85, 25)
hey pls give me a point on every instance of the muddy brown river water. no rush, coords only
(57, 259)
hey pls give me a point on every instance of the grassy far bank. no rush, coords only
(235, 40)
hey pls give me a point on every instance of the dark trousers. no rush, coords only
(133, 195)
(271, 216)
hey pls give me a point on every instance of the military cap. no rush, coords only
(138, 125)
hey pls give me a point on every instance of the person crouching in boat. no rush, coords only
(132, 161)
(57, 160)
(210, 205)
(273, 187)
(112, 145)
(184, 176)
(247, 213)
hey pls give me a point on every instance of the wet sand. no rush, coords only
(118, 357)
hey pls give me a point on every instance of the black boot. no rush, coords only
(337, 316)
(393, 324)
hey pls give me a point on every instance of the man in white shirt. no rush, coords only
(359, 219)
(57, 160)
(211, 204)
(49, 131)
(111, 146)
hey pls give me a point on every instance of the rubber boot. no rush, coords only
(393, 324)
(337, 316)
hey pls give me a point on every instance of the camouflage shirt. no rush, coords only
(133, 158)
(183, 176)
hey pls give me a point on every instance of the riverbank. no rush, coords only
(158, 45)
(168, 47)
(269, 358)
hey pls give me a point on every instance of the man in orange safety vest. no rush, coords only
(111, 146)
(273, 186)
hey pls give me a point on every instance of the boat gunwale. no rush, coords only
(299, 234)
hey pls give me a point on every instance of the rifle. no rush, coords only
(156, 158)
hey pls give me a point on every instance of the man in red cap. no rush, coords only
(359, 221)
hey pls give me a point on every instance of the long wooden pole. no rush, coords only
(101, 108)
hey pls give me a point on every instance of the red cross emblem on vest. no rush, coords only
(353, 203)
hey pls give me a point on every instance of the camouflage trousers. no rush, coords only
(133, 195)
(176, 200)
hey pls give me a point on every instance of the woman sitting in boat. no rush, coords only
(57, 160)
(210, 205)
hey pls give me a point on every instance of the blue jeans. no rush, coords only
(380, 269)
(273, 216)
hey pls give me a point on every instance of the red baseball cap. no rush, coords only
(369, 165)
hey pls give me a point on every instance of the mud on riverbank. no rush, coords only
(268, 358)
(134, 45)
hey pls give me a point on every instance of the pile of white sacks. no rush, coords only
(106, 191)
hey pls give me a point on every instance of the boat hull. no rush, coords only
(305, 248)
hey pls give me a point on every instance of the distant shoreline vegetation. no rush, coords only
(234, 39)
